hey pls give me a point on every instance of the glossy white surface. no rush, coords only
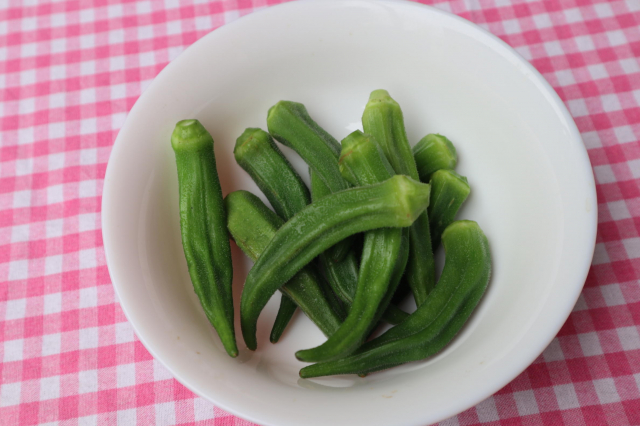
(532, 193)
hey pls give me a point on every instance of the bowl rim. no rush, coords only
(513, 369)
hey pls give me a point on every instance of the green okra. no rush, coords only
(382, 118)
(448, 192)
(203, 227)
(386, 311)
(432, 153)
(363, 162)
(259, 156)
(338, 252)
(285, 312)
(252, 226)
(334, 301)
(343, 278)
(290, 123)
(420, 273)
(342, 275)
(467, 268)
(318, 188)
(436, 322)
(394, 315)
(384, 246)
(395, 202)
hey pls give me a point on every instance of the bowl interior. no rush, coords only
(532, 193)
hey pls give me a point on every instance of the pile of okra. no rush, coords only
(345, 252)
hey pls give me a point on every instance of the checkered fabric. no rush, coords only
(69, 73)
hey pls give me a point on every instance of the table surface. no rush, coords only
(69, 73)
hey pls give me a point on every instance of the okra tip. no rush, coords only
(352, 141)
(190, 135)
(287, 105)
(451, 176)
(445, 142)
(249, 334)
(380, 96)
(250, 134)
(462, 225)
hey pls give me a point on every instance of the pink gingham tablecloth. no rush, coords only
(69, 73)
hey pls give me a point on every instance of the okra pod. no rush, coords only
(435, 323)
(382, 118)
(394, 315)
(467, 267)
(341, 270)
(259, 156)
(252, 225)
(290, 123)
(343, 278)
(319, 189)
(342, 275)
(336, 254)
(395, 202)
(362, 161)
(448, 192)
(203, 227)
(285, 312)
(432, 153)
(383, 246)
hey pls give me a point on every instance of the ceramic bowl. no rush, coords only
(533, 194)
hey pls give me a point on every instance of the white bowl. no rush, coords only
(532, 193)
